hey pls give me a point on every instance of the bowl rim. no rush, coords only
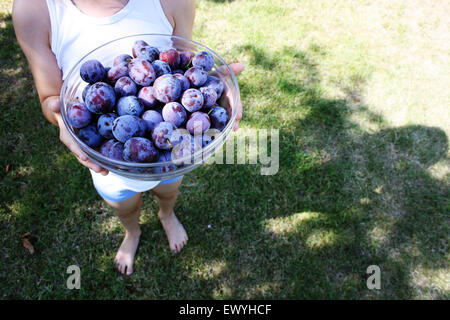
(204, 150)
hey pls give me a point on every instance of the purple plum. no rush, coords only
(116, 151)
(185, 58)
(152, 118)
(185, 84)
(123, 58)
(198, 122)
(218, 117)
(90, 136)
(141, 72)
(106, 146)
(142, 127)
(165, 156)
(92, 71)
(171, 56)
(85, 90)
(125, 87)
(130, 105)
(209, 136)
(137, 46)
(215, 83)
(105, 123)
(204, 60)
(146, 96)
(174, 113)
(192, 100)
(100, 98)
(117, 71)
(196, 76)
(112, 149)
(161, 68)
(126, 127)
(209, 96)
(167, 88)
(148, 53)
(185, 150)
(78, 115)
(162, 134)
(139, 150)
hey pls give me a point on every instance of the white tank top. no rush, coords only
(75, 34)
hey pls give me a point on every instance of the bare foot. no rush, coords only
(175, 232)
(125, 255)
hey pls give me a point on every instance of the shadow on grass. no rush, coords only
(342, 200)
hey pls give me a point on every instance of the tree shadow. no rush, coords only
(343, 199)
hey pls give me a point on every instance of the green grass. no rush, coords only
(359, 92)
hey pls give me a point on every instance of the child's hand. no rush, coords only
(70, 143)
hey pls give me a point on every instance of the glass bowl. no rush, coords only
(73, 85)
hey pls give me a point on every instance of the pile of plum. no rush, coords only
(150, 107)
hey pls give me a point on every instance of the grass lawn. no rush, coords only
(359, 91)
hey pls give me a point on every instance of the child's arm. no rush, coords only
(32, 27)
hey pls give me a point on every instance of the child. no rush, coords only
(54, 35)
